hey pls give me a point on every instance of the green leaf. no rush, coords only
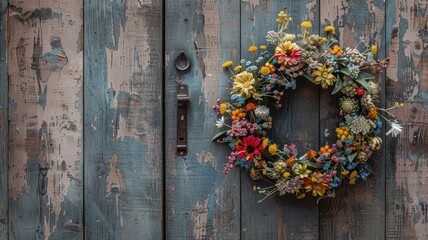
(345, 71)
(352, 156)
(365, 76)
(218, 135)
(338, 85)
(309, 77)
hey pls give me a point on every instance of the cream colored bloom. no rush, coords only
(244, 85)
(325, 76)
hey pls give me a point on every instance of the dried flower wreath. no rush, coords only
(324, 62)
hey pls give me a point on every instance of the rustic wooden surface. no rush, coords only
(45, 112)
(3, 124)
(358, 212)
(281, 218)
(407, 81)
(88, 95)
(200, 202)
(123, 119)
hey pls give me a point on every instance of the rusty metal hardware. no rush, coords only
(182, 104)
(182, 62)
(43, 181)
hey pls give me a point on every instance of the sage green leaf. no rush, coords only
(352, 156)
(345, 71)
(218, 135)
(338, 85)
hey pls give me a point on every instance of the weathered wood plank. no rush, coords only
(123, 119)
(407, 81)
(4, 221)
(358, 212)
(45, 62)
(201, 203)
(279, 218)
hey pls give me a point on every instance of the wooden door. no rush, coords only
(88, 101)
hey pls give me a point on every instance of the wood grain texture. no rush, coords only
(45, 63)
(279, 217)
(123, 119)
(358, 212)
(406, 179)
(201, 203)
(4, 106)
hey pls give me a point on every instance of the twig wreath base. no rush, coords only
(257, 83)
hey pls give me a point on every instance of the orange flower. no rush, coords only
(372, 114)
(337, 51)
(325, 149)
(290, 161)
(238, 114)
(250, 106)
(311, 154)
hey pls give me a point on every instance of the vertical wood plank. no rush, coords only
(45, 62)
(279, 217)
(358, 212)
(123, 119)
(3, 124)
(201, 203)
(406, 179)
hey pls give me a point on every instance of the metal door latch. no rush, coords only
(182, 103)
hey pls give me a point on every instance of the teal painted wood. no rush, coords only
(123, 119)
(358, 213)
(201, 203)
(279, 217)
(45, 64)
(4, 219)
(407, 165)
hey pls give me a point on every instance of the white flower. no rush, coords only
(262, 111)
(396, 129)
(220, 122)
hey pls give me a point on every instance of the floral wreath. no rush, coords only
(262, 82)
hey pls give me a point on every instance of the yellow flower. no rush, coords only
(237, 68)
(265, 142)
(306, 24)
(265, 71)
(316, 184)
(223, 108)
(227, 64)
(330, 29)
(374, 49)
(325, 76)
(244, 85)
(253, 173)
(273, 149)
(352, 181)
(353, 174)
(286, 174)
(252, 48)
(346, 172)
(264, 172)
(263, 47)
(301, 170)
(324, 39)
(301, 196)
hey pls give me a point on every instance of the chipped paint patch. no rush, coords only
(412, 165)
(253, 3)
(208, 49)
(205, 157)
(200, 219)
(116, 184)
